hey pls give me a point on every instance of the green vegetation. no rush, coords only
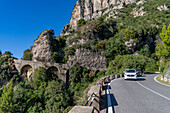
(41, 94)
(80, 79)
(161, 81)
(7, 70)
(27, 55)
(122, 62)
(46, 93)
(58, 49)
(69, 51)
(81, 22)
(6, 99)
(114, 47)
(163, 50)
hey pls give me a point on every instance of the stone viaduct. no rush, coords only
(26, 68)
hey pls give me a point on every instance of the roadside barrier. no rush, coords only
(93, 103)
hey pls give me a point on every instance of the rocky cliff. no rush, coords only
(91, 60)
(42, 48)
(88, 9)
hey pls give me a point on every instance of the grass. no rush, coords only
(163, 82)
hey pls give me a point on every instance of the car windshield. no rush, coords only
(130, 71)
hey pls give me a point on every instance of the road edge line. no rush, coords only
(109, 103)
(160, 82)
(154, 91)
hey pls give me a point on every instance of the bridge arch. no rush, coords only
(26, 71)
(53, 72)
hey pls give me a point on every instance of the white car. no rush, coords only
(130, 74)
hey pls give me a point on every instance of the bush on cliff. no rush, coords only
(58, 45)
(27, 55)
(115, 46)
(81, 22)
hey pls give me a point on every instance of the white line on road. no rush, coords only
(109, 103)
(153, 91)
(159, 82)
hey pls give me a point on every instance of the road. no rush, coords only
(141, 96)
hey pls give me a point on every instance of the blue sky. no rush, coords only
(21, 21)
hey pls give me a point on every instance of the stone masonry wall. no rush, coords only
(90, 60)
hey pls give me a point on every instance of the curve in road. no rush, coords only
(141, 96)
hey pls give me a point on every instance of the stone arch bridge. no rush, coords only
(26, 68)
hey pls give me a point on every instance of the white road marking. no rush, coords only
(153, 91)
(159, 82)
(109, 103)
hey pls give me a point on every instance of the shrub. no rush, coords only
(128, 34)
(91, 74)
(69, 51)
(115, 47)
(27, 55)
(101, 44)
(145, 51)
(94, 42)
(81, 22)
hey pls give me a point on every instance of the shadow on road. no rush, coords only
(138, 79)
(113, 103)
(105, 87)
(104, 104)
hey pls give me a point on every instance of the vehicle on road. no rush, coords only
(130, 74)
(138, 73)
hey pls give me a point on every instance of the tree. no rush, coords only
(21, 96)
(75, 73)
(145, 51)
(27, 55)
(115, 46)
(122, 62)
(57, 98)
(163, 49)
(6, 100)
(40, 75)
(8, 53)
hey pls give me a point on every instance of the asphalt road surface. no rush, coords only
(141, 96)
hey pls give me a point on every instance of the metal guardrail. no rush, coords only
(93, 95)
(91, 100)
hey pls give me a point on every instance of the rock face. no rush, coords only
(42, 47)
(138, 12)
(88, 9)
(131, 44)
(162, 7)
(88, 59)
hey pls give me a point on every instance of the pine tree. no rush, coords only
(6, 100)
